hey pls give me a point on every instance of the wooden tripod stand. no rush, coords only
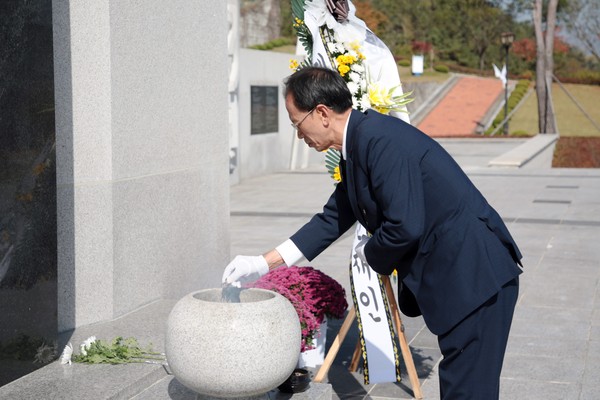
(406, 355)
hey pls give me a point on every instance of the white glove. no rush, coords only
(360, 249)
(245, 269)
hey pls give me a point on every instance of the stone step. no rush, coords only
(525, 152)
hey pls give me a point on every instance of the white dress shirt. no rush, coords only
(288, 249)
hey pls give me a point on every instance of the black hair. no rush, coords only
(311, 86)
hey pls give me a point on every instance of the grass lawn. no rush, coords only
(571, 121)
(578, 145)
(428, 75)
(291, 49)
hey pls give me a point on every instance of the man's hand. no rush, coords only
(360, 249)
(245, 269)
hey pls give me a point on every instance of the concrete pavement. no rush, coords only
(554, 347)
(554, 215)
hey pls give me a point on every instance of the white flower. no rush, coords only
(354, 77)
(86, 344)
(365, 101)
(331, 47)
(65, 357)
(363, 85)
(353, 87)
(357, 68)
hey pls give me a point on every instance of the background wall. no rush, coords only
(142, 153)
(268, 152)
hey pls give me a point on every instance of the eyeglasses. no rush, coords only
(297, 126)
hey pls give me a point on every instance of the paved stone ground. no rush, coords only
(554, 216)
(554, 346)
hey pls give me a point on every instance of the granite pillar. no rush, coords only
(142, 153)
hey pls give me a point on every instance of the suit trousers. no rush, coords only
(473, 350)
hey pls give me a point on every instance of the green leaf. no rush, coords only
(119, 351)
(298, 9)
(97, 359)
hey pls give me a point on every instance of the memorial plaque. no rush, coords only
(264, 109)
(28, 304)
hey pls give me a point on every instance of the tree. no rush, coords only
(395, 31)
(545, 64)
(286, 19)
(463, 31)
(372, 17)
(583, 20)
(485, 24)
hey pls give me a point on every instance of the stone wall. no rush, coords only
(142, 153)
(274, 151)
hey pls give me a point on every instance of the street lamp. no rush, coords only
(507, 41)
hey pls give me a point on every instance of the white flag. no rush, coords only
(500, 74)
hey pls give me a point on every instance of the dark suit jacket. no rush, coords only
(429, 222)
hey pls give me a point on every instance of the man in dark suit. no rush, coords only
(452, 251)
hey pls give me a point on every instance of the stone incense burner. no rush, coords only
(233, 350)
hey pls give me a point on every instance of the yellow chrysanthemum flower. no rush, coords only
(348, 59)
(354, 45)
(297, 23)
(380, 97)
(293, 64)
(337, 176)
(345, 59)
(343, 69)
